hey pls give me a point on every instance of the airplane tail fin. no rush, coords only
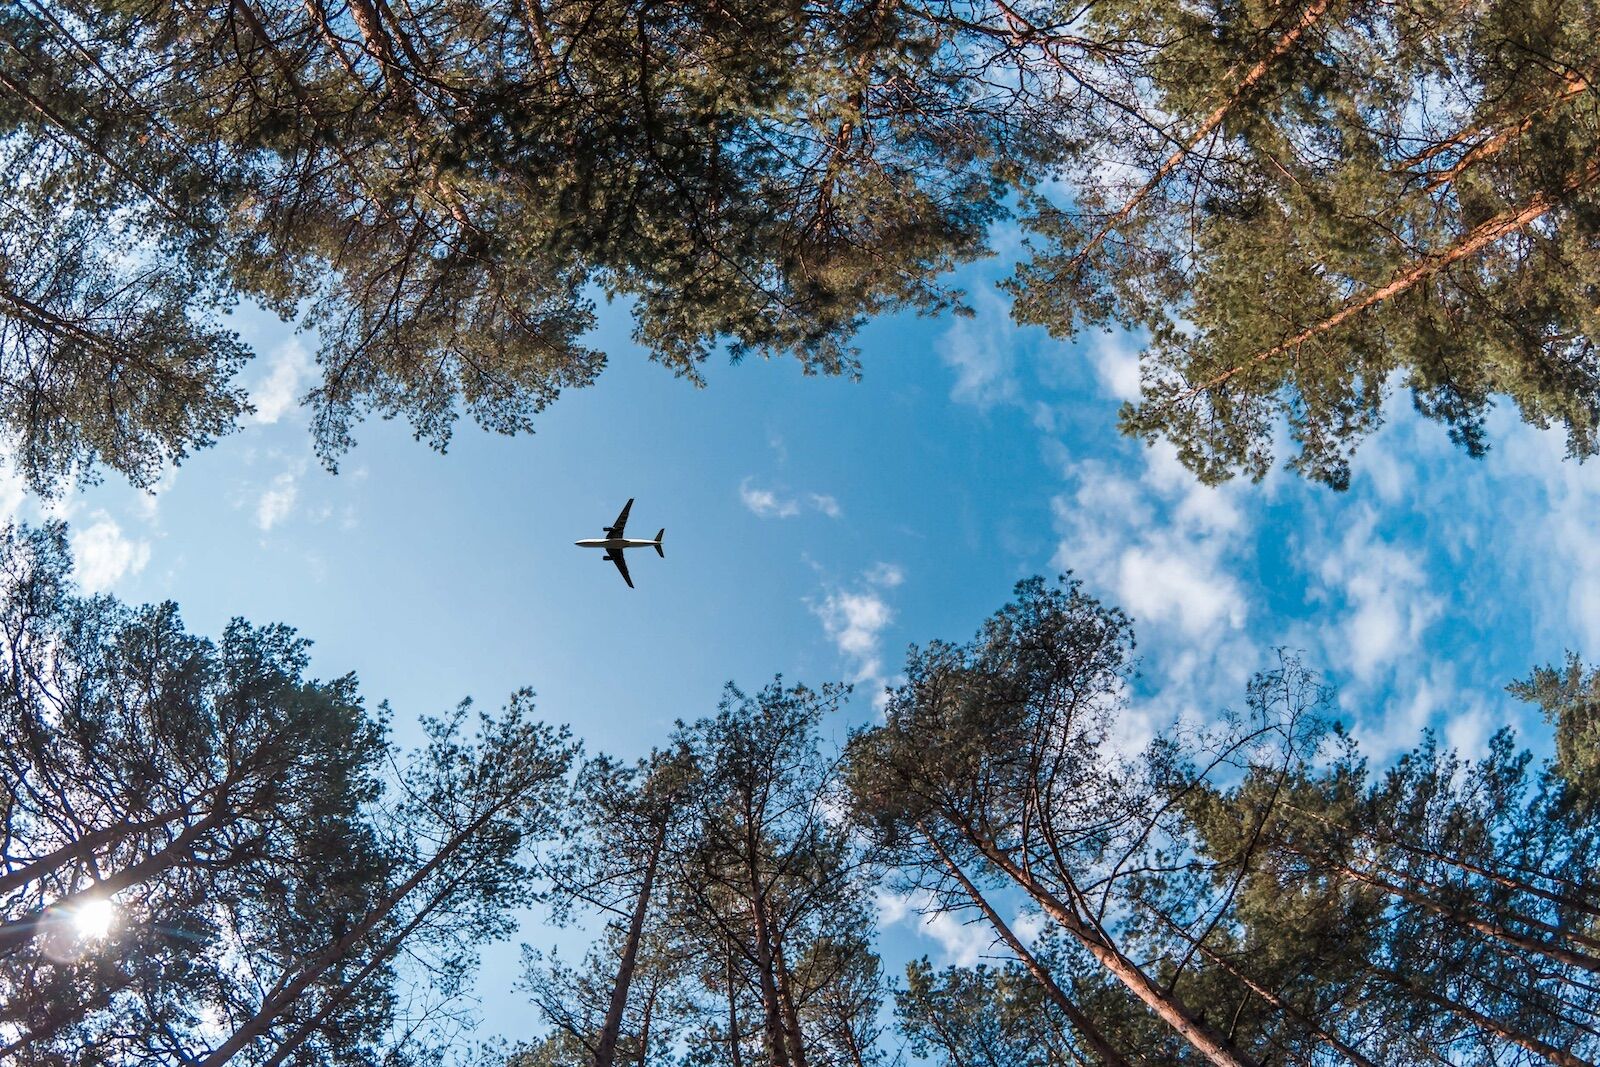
(659, 535)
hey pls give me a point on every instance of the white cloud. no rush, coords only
(103, 555)
(768, 504)
(1116, 364)
(854, 620)
(961, 942)
(980, 350)
(1383, 590)
(1557, 527)
(825, 504)
(1028, 925)
(278, 391)
(1170, 580)
(887, 575)
(1164, 548)
(1180, 558)
(12, 493)
(277, 501)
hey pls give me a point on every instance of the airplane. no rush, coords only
(614, 542)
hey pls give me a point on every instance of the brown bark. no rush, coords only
(791, 1018)
(777, 1047)
(338, 996)
(735, 1056)
(288, 992)
(605, 1052)
(83, 847)
(1317, 1031)
(544, 52)
(1207, 126)
(18, 932)
(1477, 1018)
(1480, 237)
(1081, 1022)
(1517, 884)
(1576, 85)
(56, 120)
(1167, 1006)
(1483, 926)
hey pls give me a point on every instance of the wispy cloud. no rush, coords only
(825, 504)
(771, 504)
(961, 942)
(103, 555)
(278, 391)
(1165, 548)
(766, 503)
(981, 350)
(1384, 594)
(855, 618)
(277, 501)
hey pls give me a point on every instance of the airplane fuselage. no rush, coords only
(613, 543)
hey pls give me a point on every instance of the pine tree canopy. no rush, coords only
(1299, 206)
(1303, 205)
(207, 856)
(441, 190)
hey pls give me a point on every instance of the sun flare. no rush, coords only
(93, 918)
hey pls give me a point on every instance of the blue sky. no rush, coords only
(815, 527)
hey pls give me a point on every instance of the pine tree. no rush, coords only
(1302, 204)
(277, 885)
(631, 824)
(203, 791)
(994, 764)
(440, 192)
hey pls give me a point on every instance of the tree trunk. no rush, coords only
(276, 1003)
(605, 1052)
(1211, 122)
(1317, 1031)
(777, 1048)
(82, 847)
(1482, 1021)
(1475, 241)
(1518, 884)
(1167, 1006)
(791, 1018)
(1081, 1022)
(735, 1056)
(1490, 929)
(19, 932)
(376, 960)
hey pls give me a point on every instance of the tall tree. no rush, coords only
(440, 191)
(206, 854)
(995, 758)
(630, 822)
(771, 881)
(1302, 204)
(1393, 917)
(171, 787)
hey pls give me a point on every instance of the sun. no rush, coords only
(93, 918)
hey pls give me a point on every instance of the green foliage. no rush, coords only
(984, 1016)
(1569, 696)
(214, 793)
(266, 854)
(1316, 201)
(440, 190)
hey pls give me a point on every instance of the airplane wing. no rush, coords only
(616, 557)
(616, 528)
